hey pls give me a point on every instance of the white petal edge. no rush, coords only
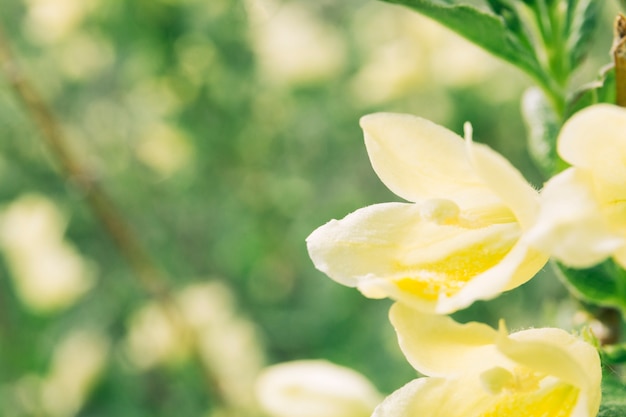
(353, 249)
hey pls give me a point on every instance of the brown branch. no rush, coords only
(150, 278)
(619, 58)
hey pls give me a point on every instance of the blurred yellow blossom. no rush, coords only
(228, 343)
(84, 56)
(583, 209)
(456, 242)
(203, 319)
(164, 148)
(294, 46)
(403, 52)
(475, 371)
(48, 273)
(49, 21)
(154, 337)
(314, 388)
(77, 363)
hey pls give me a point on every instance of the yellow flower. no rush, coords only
(583, 209)
(48, 271)
(476, 371)
(315, 388)
(459, 238)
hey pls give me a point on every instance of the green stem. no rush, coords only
(549, 23)
(541, 12)
(554, 92)
(556, 49)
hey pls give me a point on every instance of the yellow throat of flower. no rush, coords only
(461, 244)
(449, 275)
(523, 394)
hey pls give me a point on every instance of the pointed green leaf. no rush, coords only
(613, 354)
(613, 397)
(604, 284)
(486, 30)
(581, 23)
(542, 125)
(602, 90)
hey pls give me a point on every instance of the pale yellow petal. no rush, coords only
(533, 262)
(595, 139)
(586, 134)
(436, 397)
(418, 159)
(314, 388)
(467, 397)
(364, 243)
(517, 267)
(418, 253)
(559, 354)
(479, 372)
(436, 345)
(571, 226)
(504, 180)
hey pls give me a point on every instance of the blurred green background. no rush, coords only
(225, 131)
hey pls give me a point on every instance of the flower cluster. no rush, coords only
(582, 220)
(475, 371)
(473, 228)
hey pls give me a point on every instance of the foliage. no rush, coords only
(222, 149)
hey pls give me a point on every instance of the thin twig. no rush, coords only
(619, 58)
(149, 276)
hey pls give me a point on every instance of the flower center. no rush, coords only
(525, 393)
(479, 251)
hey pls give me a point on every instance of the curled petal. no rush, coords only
(468, 397)
(313, 388)
(364, 243)
(476, 371)
(422, 254)
(515, 269)
(595, 132)
(460, 239)
(557, 353)
(435, 397)
(418, 159)
(595, 139)
(571, 225)
(439, 346)
(505, 181)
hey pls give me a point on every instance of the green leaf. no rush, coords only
(613, 354)
(484, 29)
(613, 397)
(581, 23)
(602, 90)
(543, 126)
(604, 284)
